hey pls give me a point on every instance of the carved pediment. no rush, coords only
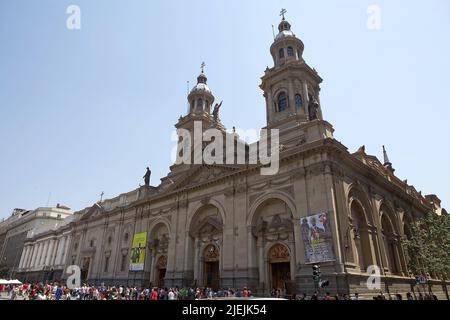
(203, 174)
(93, 212)
(276, 225)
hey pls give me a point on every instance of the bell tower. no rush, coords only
(291, 89)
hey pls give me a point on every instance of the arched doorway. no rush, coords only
(158, 247)
(211, 267)
(161, 267)
(279, 266)
(272, 246)
(204, 247)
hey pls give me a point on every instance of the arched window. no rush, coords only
(282, 101)
(281, 53)
(290, 51)
(200, 104)
(298, 101)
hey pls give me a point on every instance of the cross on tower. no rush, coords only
(283, 12)
(203, 66)
(101, 196)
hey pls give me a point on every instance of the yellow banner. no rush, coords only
(138, 252)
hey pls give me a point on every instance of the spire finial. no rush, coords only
(283, 12)
(387, 164)
(203, 66)
(385, 156)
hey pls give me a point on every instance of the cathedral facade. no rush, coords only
(229, 226)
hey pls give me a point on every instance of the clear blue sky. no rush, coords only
(86, 111)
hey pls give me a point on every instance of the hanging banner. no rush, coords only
(138, 251)
(317, 239)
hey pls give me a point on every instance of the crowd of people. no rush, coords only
(56, 291)
(40, 291)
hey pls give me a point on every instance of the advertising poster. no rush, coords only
(138, 251)
(317, 239)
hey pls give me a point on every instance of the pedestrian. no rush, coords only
(155, 294)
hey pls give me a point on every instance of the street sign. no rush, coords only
(421, 280)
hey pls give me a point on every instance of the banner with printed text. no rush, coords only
(138, 251)
(317, 238)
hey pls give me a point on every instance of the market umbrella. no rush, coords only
(15, 282)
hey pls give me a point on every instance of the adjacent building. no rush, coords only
(14, 231)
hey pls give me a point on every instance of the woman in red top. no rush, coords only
(154, 294)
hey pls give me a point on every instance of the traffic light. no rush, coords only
(316, 272)
(324, 284)
(417, 281)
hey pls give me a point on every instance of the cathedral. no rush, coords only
(229, 226)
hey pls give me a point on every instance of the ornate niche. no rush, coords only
(160, 238)
(162, 262)
(279, 253)
(211, 253)
(207, 225)
(274, 228)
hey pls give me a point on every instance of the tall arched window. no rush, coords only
(281, 53)
(290, 51)
(282, 101)
(298, 101)
(200, 104)
(390, 244)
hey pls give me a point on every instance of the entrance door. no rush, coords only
(161, 266)
(160, 279)
(280, 267)
(85, 269)
(280, 274)
(211, 267)
(212, 274)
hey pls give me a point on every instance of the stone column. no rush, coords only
(59, 252)
(333, 214)
(29, 255)
(38, 254)
(260, 249)
(49, 252)
(56, 251)
(65, 252)
(397, 257)
(291, 97)
(381, 243)
(33, 255)
(305, 99)
(152, 267)
(22, 257)
(302, 205)
(44, 252)
(250, 245)
(270, 107)
(196, 260)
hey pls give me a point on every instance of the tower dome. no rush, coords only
(286, 46)
(200, 97)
